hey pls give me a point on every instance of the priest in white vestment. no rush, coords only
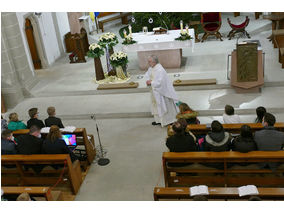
(163, 95)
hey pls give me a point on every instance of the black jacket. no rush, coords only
(29, 144)
(57, 147)
(217, 141)
(181, 143)
(243, 144)
(35, 122)
(53, 121)
(8, 147)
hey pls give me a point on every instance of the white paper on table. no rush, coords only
(68, 129)
(199, 190)
(247, 190)
(45, 130)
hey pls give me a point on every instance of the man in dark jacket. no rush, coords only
(30, 143)
(180, 142)
(8, 145)
(34, 121)
(52, 120)
(269, 139)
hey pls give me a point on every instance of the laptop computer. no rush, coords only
(70, 140)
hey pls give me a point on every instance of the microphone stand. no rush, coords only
(102, 161)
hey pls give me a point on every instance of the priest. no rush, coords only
(163, 95)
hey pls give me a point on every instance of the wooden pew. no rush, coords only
(123, 17)
(227, 176)
(32, 191)
(279, 42)
(79, 132)
(176, 193)
(19, 176)
(202, 129)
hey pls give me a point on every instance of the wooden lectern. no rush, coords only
(247, 74)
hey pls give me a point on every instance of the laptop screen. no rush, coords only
(70, 140)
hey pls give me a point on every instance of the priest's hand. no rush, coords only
(148, 82)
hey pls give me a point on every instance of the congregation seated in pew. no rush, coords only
(229, 116)
(260, 111)
(188, 114)
(244, 142)
(8, 145)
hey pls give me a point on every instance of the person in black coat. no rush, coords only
(34, 121)
(52, 120)
(180, 142)
(8, 145)
(54, 144)
(244, 142)
(30, 143)
(217, 140)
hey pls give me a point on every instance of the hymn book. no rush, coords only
(247, 190)
(199, 190)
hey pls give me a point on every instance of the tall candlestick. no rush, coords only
(130, 29)
(181, 25)
(124, 33)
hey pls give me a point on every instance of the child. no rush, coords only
(52, 120)
(188, 114)
(34, 121)
(14, 123)
(229, 117)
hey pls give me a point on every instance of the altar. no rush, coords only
(164, 46)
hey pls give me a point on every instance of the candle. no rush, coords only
(186, 28)
(181, 25)
(124, 33)
(130, 29)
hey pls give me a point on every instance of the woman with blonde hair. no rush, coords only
(188, 114)
(14, 123)
(54, 144)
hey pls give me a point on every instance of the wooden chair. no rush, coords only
(211, 24)
(279, 41)
(177, 193)
(21, 176)
(201, 173)
(240, 28)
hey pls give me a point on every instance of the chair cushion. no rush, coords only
(210, 17)
(240, 26)
(211, 26)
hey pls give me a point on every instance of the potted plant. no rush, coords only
(119, 60)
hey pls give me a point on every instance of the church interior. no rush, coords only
(46, 60)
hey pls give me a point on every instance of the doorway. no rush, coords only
(32, 44)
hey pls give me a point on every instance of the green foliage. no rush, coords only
(96, 53)
(169, 20)
(184, 37)
(128, 42)
(121, 62)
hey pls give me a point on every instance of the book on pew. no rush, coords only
(68, 129)
(199, 190)
(247, 190)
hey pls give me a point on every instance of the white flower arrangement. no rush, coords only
(95, 50)
(108, 38)
(94, 46)
(128, 39)
(118, 59)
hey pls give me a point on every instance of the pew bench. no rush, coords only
(276, 33)
(200, 173)
(33, 191)
(83, 139)
(202, 129)
(123, 17)
(224, 193)
(14, 171)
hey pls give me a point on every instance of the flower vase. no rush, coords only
(124, 67)
(119, 73)
(99, 69)
(110, 50)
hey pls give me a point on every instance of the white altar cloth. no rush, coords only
(150, 41)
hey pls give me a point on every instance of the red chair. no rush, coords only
(241, 28)
(211, 24)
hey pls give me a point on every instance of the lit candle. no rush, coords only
(186, 28)
(124, 32)
(130, 29)
(181, 25)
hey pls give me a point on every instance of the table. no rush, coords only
(164, 46)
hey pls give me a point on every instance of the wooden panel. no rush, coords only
(103, 14)
(195, 82)
(118, 86)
